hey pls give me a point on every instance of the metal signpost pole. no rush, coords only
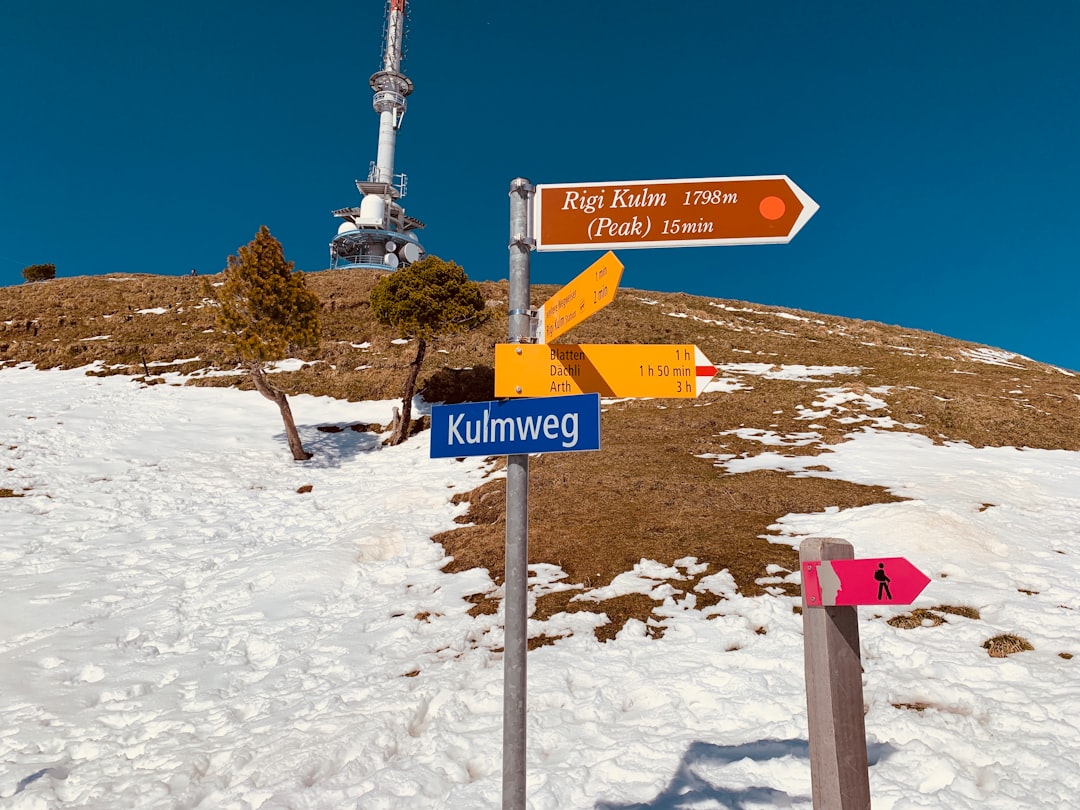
(516, 577)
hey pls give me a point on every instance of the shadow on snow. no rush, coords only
(334, 447)
(689, 789)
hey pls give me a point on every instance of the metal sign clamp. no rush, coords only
(534, 325)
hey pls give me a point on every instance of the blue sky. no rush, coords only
(939, 139)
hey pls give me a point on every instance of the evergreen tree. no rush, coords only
(266, 310)
(426, 299)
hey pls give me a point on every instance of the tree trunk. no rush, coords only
(275, 395)
(401, 431)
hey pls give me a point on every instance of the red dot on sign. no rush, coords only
(772, 208)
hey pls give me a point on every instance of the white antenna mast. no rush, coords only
(391, 87)
(377, 233)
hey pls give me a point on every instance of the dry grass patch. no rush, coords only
(914, 707)
(1005, 645)
(597, 515)
(128, 323)
(931, 617)
(919, 617)
(959, 610)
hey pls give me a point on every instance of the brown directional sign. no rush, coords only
(670, 213)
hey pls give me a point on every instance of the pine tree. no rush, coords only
(426, 299)
(266, 310)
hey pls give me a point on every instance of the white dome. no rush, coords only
(372, 211)
(346, 226)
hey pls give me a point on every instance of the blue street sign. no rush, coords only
(509, 427)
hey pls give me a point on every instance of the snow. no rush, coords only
(993, 357)
(181, 627)
(798, 373)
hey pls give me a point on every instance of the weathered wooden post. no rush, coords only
(839, 772)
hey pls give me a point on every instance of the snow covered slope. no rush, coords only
(182, 627)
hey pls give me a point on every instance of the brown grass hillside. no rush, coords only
(652, 492)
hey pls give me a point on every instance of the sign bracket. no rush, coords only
(533, 326)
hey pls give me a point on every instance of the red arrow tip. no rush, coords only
(706, 371)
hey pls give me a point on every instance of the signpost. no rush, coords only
(588, 216)
(586, 295)
(833, 584)
(516, 577)
(609, 369)
(769, 209)
(881, 581)
(550, 425)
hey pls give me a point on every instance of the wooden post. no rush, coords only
(834, 697)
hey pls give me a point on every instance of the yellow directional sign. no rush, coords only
(586, 295)
(609, 369)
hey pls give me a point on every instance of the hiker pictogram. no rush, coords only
(883, 582)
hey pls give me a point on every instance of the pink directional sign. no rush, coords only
(871, 581)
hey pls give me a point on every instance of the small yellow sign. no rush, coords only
(611, 370)
(586, 295)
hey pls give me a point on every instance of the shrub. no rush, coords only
(39, 272)
(429, 298)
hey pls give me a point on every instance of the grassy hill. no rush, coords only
(794, 383)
